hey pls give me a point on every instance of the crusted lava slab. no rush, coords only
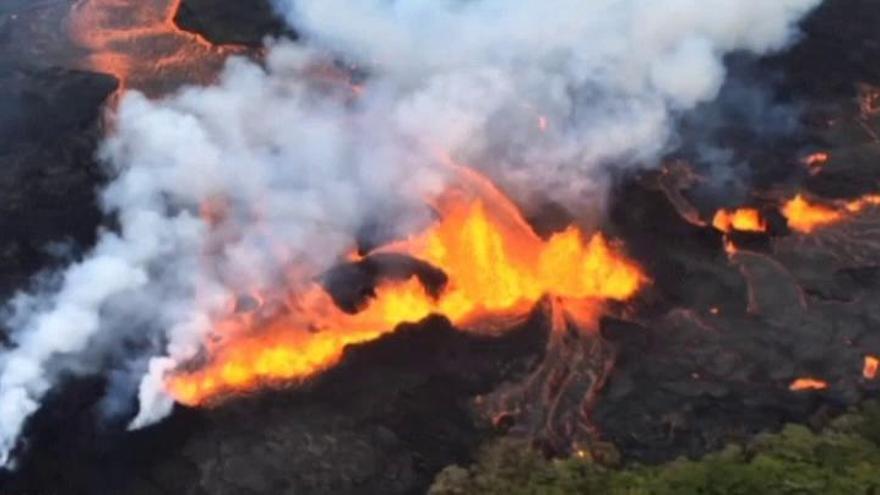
(352, 284)
(232, 23)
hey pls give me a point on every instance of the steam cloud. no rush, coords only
(285, 169)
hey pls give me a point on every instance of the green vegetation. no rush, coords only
(842, 459)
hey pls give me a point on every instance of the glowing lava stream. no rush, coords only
(802, 384)
(743, 220)
(138, 42)
(805, 217)
(496, 267)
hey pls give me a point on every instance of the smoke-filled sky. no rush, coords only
(220, 189)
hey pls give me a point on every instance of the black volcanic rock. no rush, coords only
(232, 22)
(713, 358)
(353, 284)
(840, 47)
(385, 420)
(706, 355)
(49, 129)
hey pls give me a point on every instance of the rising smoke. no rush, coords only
(220, 190)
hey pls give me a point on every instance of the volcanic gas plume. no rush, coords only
(233, 200)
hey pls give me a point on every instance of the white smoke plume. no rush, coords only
(544, 96)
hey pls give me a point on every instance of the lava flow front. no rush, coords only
(495, 264)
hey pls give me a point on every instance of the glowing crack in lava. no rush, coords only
(804, 384)
(806, 217)
(138, 42)
(496, 266)
(870, 368)
(743, 220)
(816, 162)
(817, 159)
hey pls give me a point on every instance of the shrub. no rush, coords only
(842, 459)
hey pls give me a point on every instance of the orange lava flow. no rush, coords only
(138, 42)
(496, 267)
(743, 220)
(872, 365)
(806, 217)
(858, 205)
(729, 247)
(802, 384)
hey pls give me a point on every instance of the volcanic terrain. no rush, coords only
(739, 327)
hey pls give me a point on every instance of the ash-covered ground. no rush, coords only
(705, 356)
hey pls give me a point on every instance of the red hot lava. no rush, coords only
(743, 220)
(804, 384)
(816, 162)
(805, 216)
(872, 365)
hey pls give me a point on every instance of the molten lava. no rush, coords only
(743, 220)
(806, 217)
(872, 365)
(816, 162)
(138, 42)
(496, 267)
(859, 205)
(816, 159)
(729, 247)
(802, 384)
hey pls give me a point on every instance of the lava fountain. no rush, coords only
(496, 267)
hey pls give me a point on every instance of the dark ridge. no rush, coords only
(392, 414)
(840, 47)
(73, 450)
(351, 285)
(50, 124)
